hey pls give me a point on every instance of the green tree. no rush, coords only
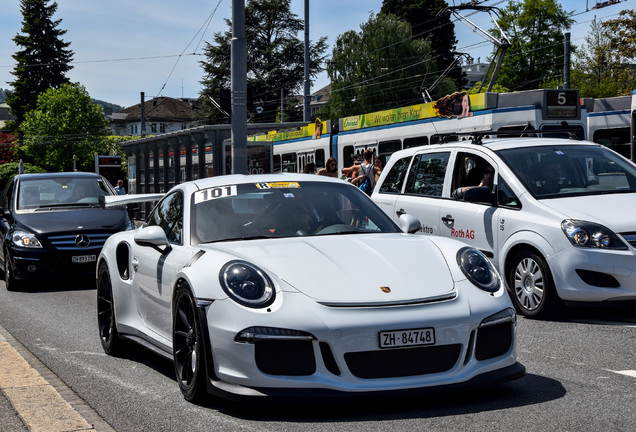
(378, 68)
(599, 71)
(42, 61)
(64, 123)
(535, 29)
(496, 88)
(621, 34)
(439, 30)
(275, 63)
(8, 170)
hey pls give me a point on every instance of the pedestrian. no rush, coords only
(309, 168)
(378, 162)
(364, 172)
(120, 188)
(330, 169)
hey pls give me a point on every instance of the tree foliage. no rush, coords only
(7, 147)
(598, 70)
(8, 170)
(42, 61)
(378, 68)
(439, 30)
(535, 29)
(622, 34)
(275, 62)
(64, 123)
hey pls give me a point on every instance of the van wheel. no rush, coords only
(531, 286)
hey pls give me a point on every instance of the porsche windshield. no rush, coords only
(284, 209)
(566, 171)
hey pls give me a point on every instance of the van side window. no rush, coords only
(469, 170)
(427, 174)
(506, 196)
(395, 178)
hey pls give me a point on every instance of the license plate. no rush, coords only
(402, 338)
(84, 258)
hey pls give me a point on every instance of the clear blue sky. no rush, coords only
(124, 47)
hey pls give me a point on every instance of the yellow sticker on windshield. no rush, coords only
(277, 185)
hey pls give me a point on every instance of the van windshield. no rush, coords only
(555, 171)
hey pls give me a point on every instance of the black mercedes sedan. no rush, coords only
(53, 226)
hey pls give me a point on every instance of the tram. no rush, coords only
(609, 121)
(546, 112)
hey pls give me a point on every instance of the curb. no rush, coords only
(41, 399)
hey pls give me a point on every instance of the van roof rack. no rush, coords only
(477, 137)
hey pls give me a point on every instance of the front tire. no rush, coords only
(187, 345)
(532, 287)
(10, 282)
(106, 319)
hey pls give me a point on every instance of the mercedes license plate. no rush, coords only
(402, 338)
(84, 258)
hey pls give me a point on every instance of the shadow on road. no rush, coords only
(532, 389)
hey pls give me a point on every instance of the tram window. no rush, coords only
(277, 167)
(289, 162)
(320, 158)
(617, 139)
(518, 131)
(415, 141)
(556, 131)
(388, 147)
(347, 156)
(441, 139)
(427, 174)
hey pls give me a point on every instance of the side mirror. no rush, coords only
(154, 237)
(409, 223)
(479, 194)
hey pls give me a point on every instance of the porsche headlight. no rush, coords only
(592, 235)
(478, 269)
(25, 239)
(246, 284)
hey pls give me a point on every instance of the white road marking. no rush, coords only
(630, 373)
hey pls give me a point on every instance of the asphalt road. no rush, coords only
(581, 375)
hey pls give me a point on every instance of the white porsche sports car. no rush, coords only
(297, 285)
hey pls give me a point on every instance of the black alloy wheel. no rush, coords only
(10, 282)
(187, 345)
(106, 320)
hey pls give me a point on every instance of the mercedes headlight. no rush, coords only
(592, 235)
(478, 269)
(246, 284)
(25, 239)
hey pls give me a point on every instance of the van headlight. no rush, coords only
(478, 269)
(246, 284)
(591, 235)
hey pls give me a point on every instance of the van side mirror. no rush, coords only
(479, 194)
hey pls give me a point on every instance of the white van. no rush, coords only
(573, 240)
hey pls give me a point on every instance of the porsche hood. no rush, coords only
(354, 269)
